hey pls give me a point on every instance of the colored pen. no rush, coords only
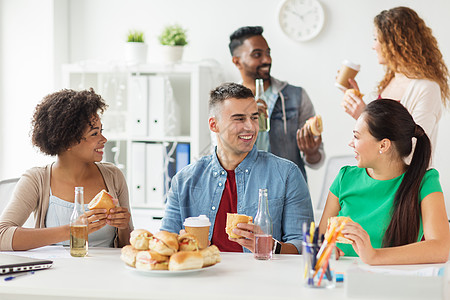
(18, 275)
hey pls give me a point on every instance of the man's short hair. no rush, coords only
(238, 37)
(226, 91)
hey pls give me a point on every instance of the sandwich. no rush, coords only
(315, 125)
(233, 220)
(164, 242)
(102, 200)
(354, 92)
(185, 260)
(128, 255)
(211, 256)
(139, 239)
(187, 242)
(335, 225)
(150, 260)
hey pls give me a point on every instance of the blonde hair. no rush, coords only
(410, 48)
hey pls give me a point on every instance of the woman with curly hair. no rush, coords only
(66, 124)
(416, 74)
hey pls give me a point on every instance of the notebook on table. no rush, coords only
(14, 263)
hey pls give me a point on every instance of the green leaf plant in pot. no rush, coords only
(135, 48)
(173, 38)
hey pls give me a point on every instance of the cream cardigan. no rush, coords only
(32, 194)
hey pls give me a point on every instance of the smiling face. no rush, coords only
(377, 47)
(90, 148)
(236, 126)
(365, 145)
(253, 58)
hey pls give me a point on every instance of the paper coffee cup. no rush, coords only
(348, 70)
(199, 227)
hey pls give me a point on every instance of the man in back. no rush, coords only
(288, 106)
(228, 181)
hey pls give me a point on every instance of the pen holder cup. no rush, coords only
(316, 273)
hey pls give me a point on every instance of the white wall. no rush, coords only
(29, 57)
(98, 29)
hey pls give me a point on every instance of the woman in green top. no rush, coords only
(393, 205)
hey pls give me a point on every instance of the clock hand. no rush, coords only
(297, 14)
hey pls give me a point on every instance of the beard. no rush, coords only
(258, 73)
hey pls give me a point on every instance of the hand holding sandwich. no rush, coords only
(361, 242)
(246, 232)
(309, 143)
(352, 101)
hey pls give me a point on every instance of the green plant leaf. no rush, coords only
(173, 35)
(135, 36)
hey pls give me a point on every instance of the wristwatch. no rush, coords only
(276, 247)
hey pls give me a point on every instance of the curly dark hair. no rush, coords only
(238, 37)
(61, 119)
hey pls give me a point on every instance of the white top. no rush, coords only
(422, 99)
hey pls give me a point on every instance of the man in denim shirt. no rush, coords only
(287, 106)
(228, 181)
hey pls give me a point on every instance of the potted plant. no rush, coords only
(135, 48)
(173, 38)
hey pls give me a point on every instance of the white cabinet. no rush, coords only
(156, 122)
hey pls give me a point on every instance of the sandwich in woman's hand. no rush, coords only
(354, 92)
(164, 242)
(337, 223)
(187, 242)
(102, 200)
(315, 125)
(186, 260)
(139, 239)
(150, 260)
(211, 256)
(128, 255)
(233, 220)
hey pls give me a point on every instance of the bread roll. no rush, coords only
(338, 223)
(102, 200)
(315, 125)
(233, 220)
(128, 255)
(187, 242)
(354, 92)
(186, 260)
(164, 242)
(139, 239)
(211, 256)
(150, 260)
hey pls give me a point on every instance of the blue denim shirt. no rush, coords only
(197, 190)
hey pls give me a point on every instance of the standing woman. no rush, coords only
(66, 124)
(416, 74)
(393, 205)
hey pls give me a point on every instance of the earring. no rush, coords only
(381, 152)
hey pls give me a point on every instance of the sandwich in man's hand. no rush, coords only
(338, 223)
(150, 260)
(211, 256)
(187, 242)
(102, 200)
(185, 260)
(315, 125)
(233, 220)
(128, 255)
(164, 242)
(139, 239)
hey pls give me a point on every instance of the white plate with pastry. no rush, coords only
(166, 272)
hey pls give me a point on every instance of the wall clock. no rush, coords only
(301, 20)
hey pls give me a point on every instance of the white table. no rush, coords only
(103, 275)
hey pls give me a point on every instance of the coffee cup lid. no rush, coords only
(199, 221)
(351, 65)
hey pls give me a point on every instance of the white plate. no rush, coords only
(166, 272)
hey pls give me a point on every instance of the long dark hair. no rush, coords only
(389, 119)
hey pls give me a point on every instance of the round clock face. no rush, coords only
(301, 20)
